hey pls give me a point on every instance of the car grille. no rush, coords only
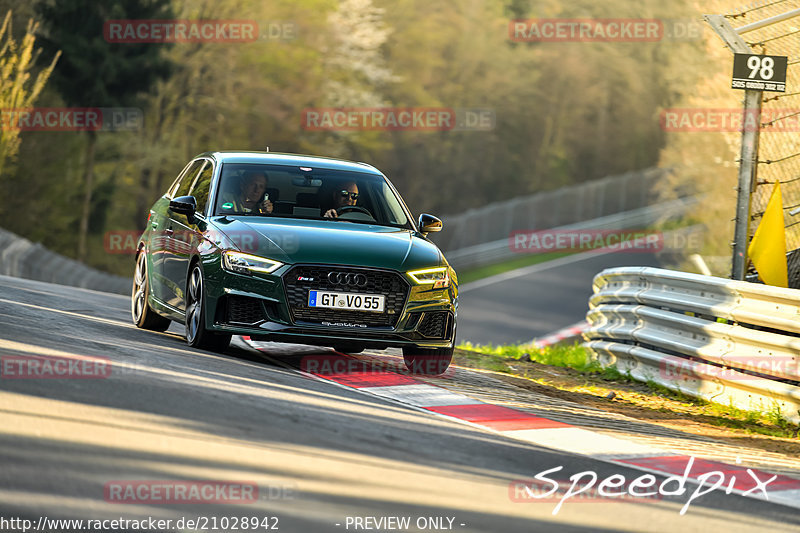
(434, 325)
(390, 284)
(244, 310)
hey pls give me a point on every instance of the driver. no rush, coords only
(347, 194)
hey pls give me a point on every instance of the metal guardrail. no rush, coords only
(549, 209)
(500, 250)
(725, 341)
(22, 258)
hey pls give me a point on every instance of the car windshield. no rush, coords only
(282, 191)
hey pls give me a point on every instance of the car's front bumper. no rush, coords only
(266, 307)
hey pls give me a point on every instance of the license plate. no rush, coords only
(347, 301)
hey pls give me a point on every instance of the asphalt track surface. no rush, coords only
(535, 301)
(318, 452)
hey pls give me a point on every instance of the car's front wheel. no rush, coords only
(196, 334)
(143, 316)
(428, 361)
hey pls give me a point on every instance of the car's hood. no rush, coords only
(330, 241)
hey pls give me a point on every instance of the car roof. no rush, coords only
(277, 158)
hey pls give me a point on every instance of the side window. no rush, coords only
(201, 187)
(396, 214)
(171, 191)
(185, 183)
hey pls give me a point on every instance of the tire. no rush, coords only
(197, 336)
(141, 313)
(349, 348)
(427, 361)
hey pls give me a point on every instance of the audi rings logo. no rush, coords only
(347, 278)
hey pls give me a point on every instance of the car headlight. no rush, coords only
(439, 277)
(247, 263)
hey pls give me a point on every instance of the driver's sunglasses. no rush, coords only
(352, 195)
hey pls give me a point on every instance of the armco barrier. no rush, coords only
(499, 250)
(726, 341)
(21, 258)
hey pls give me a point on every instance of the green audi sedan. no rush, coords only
(298, 249)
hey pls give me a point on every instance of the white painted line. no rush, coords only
(581, 441)
(790, 497)
(421, 395)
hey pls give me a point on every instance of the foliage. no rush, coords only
(18, 87)
(564, 113)
(95, 73)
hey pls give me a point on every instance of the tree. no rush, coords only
(17, 91)
(95, 73)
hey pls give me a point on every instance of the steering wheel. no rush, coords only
(353, 208)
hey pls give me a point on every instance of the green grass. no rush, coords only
(573, 356)
(769, 421)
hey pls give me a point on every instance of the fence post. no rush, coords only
(748, 159)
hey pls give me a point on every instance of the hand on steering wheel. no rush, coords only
(347, 208)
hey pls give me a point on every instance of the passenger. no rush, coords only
(251, 197)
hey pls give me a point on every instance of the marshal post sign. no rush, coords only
(759, 73)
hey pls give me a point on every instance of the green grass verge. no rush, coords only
(565, 356)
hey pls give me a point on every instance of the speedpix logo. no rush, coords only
(588, 486)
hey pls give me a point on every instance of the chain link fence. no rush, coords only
(779, 136)
(551, 209)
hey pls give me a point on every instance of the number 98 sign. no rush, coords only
(759, 73)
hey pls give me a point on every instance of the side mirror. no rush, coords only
(429, 224)
(184, 205)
